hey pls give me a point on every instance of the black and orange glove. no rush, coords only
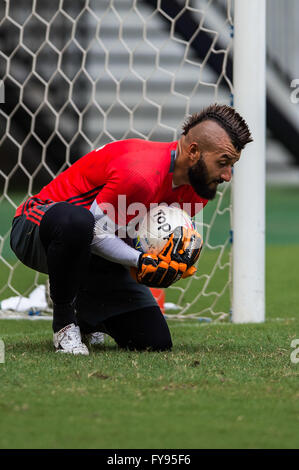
(154, 272)
(184, 247)
(173, 262)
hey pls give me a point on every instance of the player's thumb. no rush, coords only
(190, 272)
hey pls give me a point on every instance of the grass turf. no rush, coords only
(222, 386)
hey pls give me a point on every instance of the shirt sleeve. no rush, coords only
(107, 244)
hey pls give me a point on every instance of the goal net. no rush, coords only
(77, 75)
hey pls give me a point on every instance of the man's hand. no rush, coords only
(154, 272)
(173, 262)
(184, 246)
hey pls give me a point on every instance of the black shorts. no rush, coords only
(107, 289)
(26, 243)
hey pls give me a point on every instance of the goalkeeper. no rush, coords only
(67, 229)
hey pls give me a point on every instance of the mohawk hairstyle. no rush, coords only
(228, 118)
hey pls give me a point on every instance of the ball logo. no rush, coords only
(158, 224)
(161, 221)
(137, 243)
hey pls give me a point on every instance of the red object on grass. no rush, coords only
(159, 296)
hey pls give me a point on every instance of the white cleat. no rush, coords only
(68, 340)
(95, 338)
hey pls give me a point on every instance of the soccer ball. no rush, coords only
(157, 225)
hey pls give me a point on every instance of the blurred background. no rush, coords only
(76, 75)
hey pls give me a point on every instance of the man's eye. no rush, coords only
(222, 163)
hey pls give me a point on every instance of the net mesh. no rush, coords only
(80, 74)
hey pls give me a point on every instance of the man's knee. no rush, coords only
(142, 330)
(158, 344)
(161, 345)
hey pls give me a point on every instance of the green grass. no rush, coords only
(222, 385)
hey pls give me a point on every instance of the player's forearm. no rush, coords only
(106, 244)
(114, 249)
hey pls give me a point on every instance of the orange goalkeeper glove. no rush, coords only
(173, 262)
(154, 272)
(184, 247)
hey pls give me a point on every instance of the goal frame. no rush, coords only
(248, 267)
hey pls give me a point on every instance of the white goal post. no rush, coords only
(77, 75)
(249, 179)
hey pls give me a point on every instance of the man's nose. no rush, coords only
(226, 174)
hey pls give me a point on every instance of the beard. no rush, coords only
(200, 181)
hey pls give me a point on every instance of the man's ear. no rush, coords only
(194, 152)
